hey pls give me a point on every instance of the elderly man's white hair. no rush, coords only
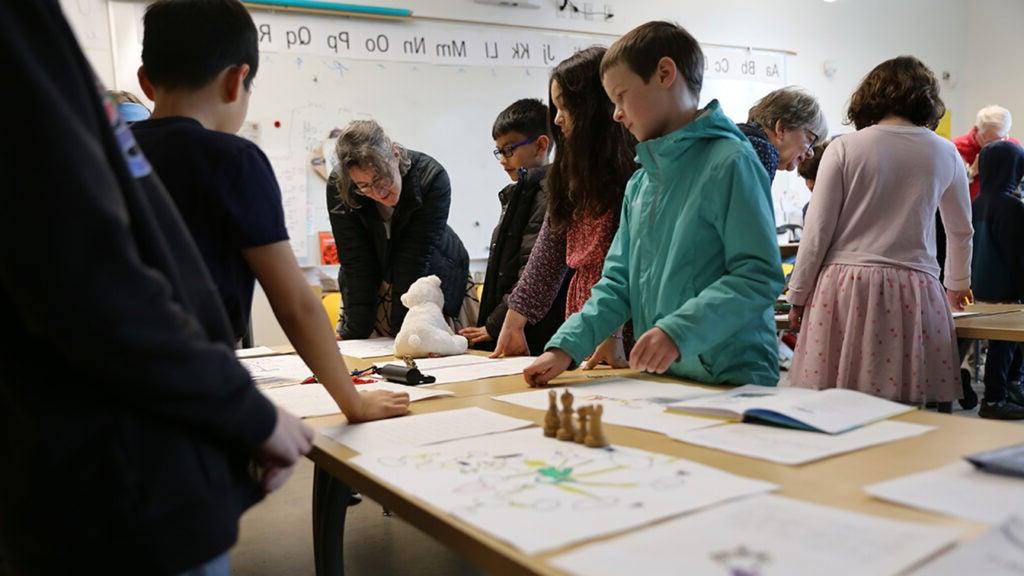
(996, 118)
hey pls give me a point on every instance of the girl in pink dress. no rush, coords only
(866, 295)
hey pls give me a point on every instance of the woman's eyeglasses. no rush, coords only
(379, 187)
(508, 151)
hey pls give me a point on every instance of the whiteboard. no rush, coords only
(434, 87)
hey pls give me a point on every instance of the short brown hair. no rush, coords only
(808, 169)
(642, 47)
(903, 87)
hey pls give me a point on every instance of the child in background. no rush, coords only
(522, 145)
(129, 107)
(997, 274)
(593, 162)
(199, 58)
(808, 169)
(866, 287)
(695, 263)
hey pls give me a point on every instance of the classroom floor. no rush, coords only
(276, 539)
(276, 536)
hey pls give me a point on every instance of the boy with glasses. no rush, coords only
(522, 145)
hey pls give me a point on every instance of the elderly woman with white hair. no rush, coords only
(783, 128)
(389, 213)
(992, 125)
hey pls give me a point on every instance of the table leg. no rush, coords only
(330, 505)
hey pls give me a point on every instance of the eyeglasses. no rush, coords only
(379, 187)
(508, 151)
(813, 139)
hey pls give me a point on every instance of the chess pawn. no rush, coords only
(581, 432)
(595, 434)
(551, 420)
(566, 431)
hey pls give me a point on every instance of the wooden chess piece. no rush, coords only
(551, 420)
(566, 431)
(595, 433)
(581, 433)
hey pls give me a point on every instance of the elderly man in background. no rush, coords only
(993, 124)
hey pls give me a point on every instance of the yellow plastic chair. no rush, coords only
(332, 305)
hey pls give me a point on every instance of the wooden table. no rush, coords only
(789, 249)
(835, 481)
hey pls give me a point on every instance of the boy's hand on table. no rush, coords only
(546, 367)
(475, 334)
(380, 404)
(611, 352)
(654, 352)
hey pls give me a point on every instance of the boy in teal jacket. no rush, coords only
(695, 264)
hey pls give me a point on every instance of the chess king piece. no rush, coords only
(566, 431)
(551, 420)
(595, 433)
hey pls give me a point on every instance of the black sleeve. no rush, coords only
(252, 205)
(73, 221)
(359, 273)
(410, 259)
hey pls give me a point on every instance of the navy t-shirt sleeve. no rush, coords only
(253, 212)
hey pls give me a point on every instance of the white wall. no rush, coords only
(993, 73)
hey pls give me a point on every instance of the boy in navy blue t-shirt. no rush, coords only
(199, 58)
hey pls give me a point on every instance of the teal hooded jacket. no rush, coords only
(696, 255)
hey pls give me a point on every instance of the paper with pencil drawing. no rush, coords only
(764, 536)
(311, 400)
(538, 493)
(422, 429)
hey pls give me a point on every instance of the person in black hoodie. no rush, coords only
(389, 213)
(522, 145)
(997, 274)
(132, 438)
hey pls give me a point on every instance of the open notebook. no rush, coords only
(832, 411)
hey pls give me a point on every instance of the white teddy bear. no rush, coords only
(424, 332)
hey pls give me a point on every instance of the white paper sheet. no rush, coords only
(277, 370)
(964, 314)
(492, 369)
(788, 446)
(763, 536)
(998, 552)
(311, 400)
(832, 411)
(538, 493)
(627, 402)
(253, 352)
(422, 429)
(956, 490)
(368, 348)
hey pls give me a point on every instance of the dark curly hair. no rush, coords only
(902, 87)
(592, 165)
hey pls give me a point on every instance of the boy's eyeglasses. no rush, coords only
(379, 187)
(508, 151)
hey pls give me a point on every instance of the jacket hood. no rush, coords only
(710, 123)
(1001, 167)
